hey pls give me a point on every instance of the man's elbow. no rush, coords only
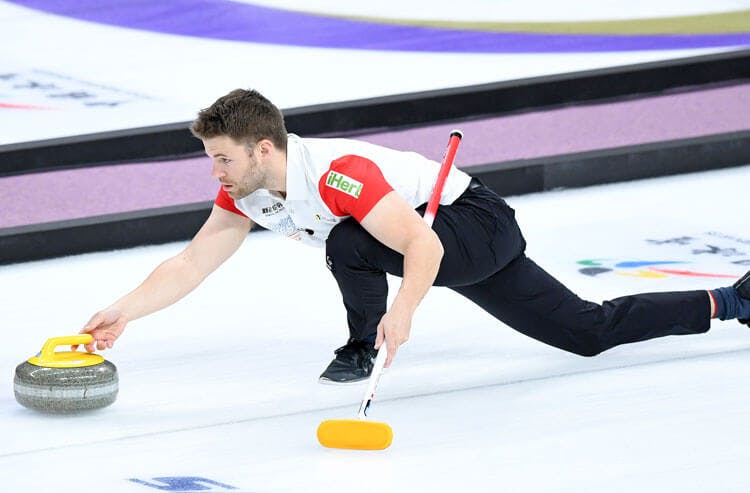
(424, 245)
(440, 249)
(436, 246)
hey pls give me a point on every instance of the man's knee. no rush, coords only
(595, 336)
(589, 339)
(588, 347)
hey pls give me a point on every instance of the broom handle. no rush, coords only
(445, 168)
(429, 217)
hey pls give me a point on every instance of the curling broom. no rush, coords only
(360, 434)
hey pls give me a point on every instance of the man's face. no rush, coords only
(236, 166)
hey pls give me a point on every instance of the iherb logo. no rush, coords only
(344, 184)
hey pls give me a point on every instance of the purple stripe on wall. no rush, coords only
(583, 128)
(54, 196)
(84, 192)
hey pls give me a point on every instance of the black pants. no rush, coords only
(484, 261)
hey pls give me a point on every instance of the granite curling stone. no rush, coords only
(65, 381)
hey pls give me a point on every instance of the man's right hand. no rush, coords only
(105, 327)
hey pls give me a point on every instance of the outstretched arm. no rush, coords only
(221, 236)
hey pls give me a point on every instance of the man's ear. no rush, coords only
(266, 147)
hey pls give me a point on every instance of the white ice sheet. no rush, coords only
(222, 386)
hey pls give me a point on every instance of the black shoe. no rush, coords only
(743, 289)
(353, 363)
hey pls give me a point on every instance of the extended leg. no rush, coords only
(531, 301)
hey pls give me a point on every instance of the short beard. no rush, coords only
(255, 181)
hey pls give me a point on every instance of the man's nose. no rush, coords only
(217, 170)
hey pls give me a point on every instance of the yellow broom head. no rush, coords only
(354, 434)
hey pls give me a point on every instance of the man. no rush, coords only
(363, 202)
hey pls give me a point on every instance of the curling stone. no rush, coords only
(65, 381)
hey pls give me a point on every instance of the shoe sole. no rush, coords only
(326, 381)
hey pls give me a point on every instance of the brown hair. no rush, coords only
(244, 115)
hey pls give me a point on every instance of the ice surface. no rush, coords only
(223, 385)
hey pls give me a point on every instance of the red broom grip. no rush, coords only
(445, 168)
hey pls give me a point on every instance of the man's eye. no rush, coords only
(225, 160)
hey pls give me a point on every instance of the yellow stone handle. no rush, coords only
(65, 359)
(48, 350)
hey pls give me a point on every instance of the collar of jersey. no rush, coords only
(296, 183)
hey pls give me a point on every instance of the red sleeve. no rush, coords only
(352, 186)
(226, 202)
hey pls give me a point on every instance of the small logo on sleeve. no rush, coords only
(344, 184)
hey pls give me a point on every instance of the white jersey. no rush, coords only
(329, 180)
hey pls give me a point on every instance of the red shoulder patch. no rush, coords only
(352, 186)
